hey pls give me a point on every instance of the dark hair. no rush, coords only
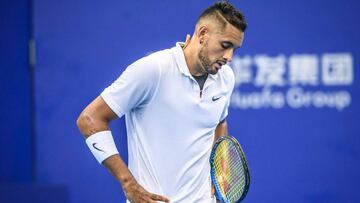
(224, 13)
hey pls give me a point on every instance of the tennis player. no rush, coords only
(175, 103)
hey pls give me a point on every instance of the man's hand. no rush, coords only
(135, 193)
(212, 190)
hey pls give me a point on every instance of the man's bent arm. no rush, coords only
(96, 118)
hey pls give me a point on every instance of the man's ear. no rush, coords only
(202, 33)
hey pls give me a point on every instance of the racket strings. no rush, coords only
(229, 171)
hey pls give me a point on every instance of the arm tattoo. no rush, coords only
(93, 131)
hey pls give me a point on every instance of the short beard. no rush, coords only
(205, 61)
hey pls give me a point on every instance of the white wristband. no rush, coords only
(102, 145)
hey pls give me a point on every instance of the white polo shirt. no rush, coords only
(170, 127)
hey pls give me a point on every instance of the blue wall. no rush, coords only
(15, 92)
(307, 153)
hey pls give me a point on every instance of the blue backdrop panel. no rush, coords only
(305, 153)
(19, 193)
(15, 104)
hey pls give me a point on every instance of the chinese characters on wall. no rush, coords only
(296, 81)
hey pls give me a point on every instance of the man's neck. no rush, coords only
(191, 60)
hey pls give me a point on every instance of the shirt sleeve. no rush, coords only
(134, 88)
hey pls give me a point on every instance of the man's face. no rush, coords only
(218, 48)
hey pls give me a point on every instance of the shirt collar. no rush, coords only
(181, 62)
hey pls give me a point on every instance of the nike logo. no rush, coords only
(215, 98)
(94, 145)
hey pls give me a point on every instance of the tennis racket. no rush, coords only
(229, 170)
